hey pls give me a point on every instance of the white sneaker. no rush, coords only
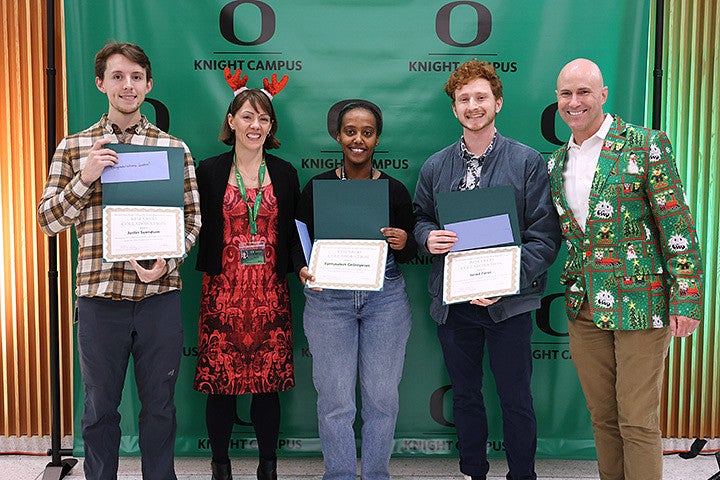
(467, 477)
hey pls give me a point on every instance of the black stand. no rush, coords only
(57, 468)
(53, 472)
(658, 70)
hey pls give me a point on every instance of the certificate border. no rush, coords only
(447, 271)
(108, 210)
(379, 277)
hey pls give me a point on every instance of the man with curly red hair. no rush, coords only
(483, 158)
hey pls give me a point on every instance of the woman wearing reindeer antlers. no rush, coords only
(247, 245)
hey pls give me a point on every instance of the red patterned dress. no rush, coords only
(245, 327)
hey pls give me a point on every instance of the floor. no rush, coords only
(32, 467)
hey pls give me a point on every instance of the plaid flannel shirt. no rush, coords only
(67, 201)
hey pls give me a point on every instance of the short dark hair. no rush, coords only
(471, 70)
(365, 105)
(129, 50)
(259, 101)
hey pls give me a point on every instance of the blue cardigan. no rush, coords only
(509, 163)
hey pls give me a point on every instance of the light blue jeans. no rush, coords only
(358, 332)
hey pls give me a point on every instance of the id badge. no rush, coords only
(252, 253)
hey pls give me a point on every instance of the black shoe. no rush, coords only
(221, 471)
(267, 469)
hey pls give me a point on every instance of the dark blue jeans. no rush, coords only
(467, 332)
(109, 331)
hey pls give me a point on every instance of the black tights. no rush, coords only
(220, 413)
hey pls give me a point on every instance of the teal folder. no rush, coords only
(151, 193)
(463, 205)
(350, 209)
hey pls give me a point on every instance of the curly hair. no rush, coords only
(471, 70)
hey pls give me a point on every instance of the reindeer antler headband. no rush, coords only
(271, 87)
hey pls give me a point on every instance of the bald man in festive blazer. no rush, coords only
(633, 275)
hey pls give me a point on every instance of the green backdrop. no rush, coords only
(397, 54)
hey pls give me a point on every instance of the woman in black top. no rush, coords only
(357, 333)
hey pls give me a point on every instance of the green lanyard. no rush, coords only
(252, 211)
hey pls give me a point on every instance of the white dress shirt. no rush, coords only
(580, 170)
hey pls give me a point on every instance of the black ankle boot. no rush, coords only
(267, 469)
(221, 471)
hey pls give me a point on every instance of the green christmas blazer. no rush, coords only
(638, 261)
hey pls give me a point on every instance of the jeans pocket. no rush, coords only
(392, 271)
(394, 275)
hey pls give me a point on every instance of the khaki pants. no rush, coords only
(621, 374)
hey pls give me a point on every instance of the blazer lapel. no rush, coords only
(560, 198)
(607, 162)
(556, 170)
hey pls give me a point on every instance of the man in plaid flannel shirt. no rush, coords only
(123, 308)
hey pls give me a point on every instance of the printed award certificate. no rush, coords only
(142, 233)
(348, 264)
(481, 273)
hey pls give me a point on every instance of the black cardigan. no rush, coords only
(212, 178)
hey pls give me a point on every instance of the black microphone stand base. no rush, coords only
(56, 472)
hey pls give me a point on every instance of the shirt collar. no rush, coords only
(597, 136)
(113, 128)
(469, 156)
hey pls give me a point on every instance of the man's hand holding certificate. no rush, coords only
(485, 260)
(143, 215)
(142, 233)
(481, 273)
